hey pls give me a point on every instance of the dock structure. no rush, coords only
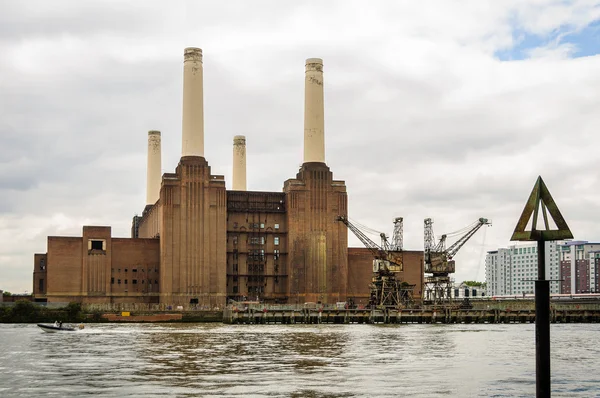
(254, 315)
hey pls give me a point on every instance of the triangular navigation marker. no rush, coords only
(541, 196)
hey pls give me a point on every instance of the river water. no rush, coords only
(197, 360)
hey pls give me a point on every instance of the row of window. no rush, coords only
(135, 270)
(256, 225)
(251, 289)
(256, 240)
(257, 254)
(133, 281)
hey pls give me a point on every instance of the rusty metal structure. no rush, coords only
(439, 261)
(387, 288)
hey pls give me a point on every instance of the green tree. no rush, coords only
(473, 283)
(24, 311)
(74, 312)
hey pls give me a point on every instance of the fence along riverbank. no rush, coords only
(249, 315)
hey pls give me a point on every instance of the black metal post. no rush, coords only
(542, 326)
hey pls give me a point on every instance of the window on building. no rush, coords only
(96, 244)
(41, 285)
(112, 281)
(276, 240)
(42, 264)
(134, 270)
(235, 289)
(125, 281)
(275, 254)
(134, 281)
(118, 281)
(262, 225)
(276, 226)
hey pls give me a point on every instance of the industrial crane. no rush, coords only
(387, 290)
(439, 260)
(387, 258)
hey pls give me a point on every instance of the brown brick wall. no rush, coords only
(64, 267)
(582, 276)
(137, 262)
(149, 225)
(96, 264)
(77, 273)
(40, 276)
(360, 271)
(317, 243)
(193, 235)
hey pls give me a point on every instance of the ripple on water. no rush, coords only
(294, 360)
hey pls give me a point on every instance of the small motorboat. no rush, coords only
(58, 327)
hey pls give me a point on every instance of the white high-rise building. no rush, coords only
(513, 270)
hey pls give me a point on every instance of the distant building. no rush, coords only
(513, 270)
(463, 290)
(579, 267)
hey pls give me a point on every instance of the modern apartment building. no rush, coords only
(513, 270)
(579, 267)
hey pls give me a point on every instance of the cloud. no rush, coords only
(432, 110)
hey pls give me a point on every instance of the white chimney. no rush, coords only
(239, 163)
(193, 103)
(153, 172)
(314, 122)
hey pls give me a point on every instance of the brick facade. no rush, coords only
(317, 242)
(360, 272)
(96, 268)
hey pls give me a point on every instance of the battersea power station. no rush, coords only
(197, 243)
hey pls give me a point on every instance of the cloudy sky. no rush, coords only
(439, 109)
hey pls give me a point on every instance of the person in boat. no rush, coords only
(60, 325)
(55, 323)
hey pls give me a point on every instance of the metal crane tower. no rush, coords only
(439, 263)
(397, 237)
(387, 288)
(429, 237)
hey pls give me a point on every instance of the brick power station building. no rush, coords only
(198, 243)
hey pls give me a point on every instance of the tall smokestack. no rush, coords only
(193, 103)
(239, 163)
(314, 122)
(153, 172)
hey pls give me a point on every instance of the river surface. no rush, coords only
(202, 360)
